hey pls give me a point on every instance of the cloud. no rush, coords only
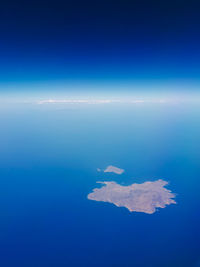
(104, 101)
(76, 101)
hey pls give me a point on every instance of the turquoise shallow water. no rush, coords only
(48, 166)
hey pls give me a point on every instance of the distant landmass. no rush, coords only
(145, 197)
(113, 169)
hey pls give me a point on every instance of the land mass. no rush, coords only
(145, 197)
(113, 169)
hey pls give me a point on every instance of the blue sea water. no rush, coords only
(48, 160)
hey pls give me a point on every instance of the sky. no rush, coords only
(99, 46)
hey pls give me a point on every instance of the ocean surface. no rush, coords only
(49, 155)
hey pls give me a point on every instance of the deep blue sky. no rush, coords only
(142, 40)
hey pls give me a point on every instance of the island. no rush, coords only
(144, 197)
(113, 169)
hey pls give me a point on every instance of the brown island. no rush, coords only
(145, 197)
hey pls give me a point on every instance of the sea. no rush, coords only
(49, 155)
